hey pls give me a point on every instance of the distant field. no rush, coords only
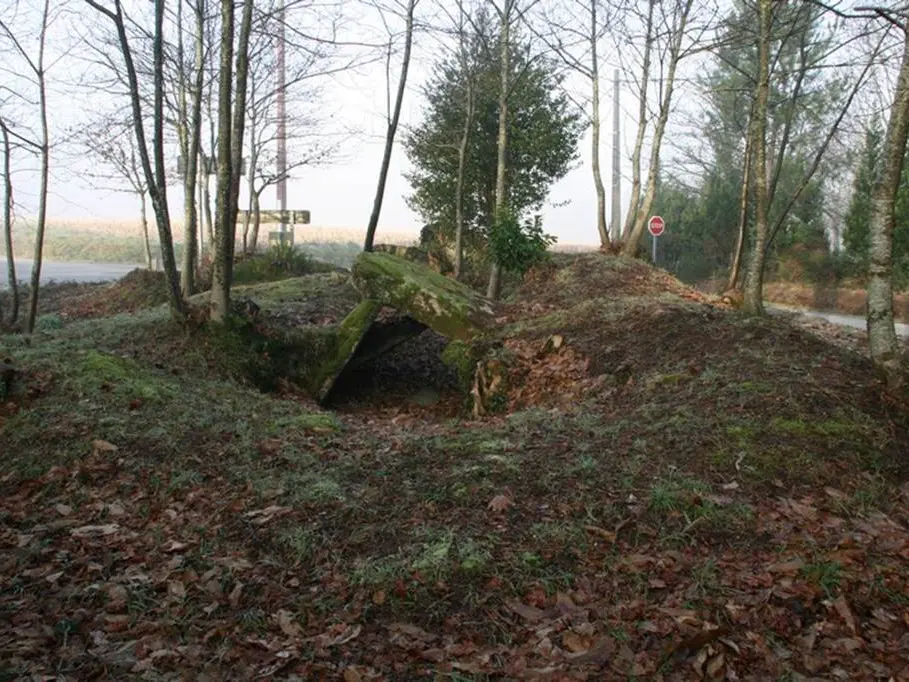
(120, 241)
(132, 228)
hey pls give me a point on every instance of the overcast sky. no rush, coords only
(341, 194)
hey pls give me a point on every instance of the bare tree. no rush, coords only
(881, 331)
(8, 228)
(156, 179)
(575, 38)
(743, 216)
(408, 7)
(189, 127)
(110, 141)
(231, 125)
(643, 121)
(37, 67)
(765, 232)
(676, 23)
(302, 127)
(753, 283)
(885, 350)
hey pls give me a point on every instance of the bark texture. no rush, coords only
(881, 332)
(753, 295)
(392, 129)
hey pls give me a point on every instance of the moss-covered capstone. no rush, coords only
(442, 304)
(349, 336)
(433, 258)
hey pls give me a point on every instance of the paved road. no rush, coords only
(68, 272)
(854, 321)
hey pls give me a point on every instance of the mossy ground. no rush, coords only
(720, 470)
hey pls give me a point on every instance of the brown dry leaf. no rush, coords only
(700, 640)
(607, 535)
(378, 597)
(842, 608)
(95, 531)
(262, 516)
(574, 642)
(789, 567)
(234, 597)
(500, 503)
(412, 631)
(63, 509)
(174, 546)
(716, 667)
(350, 632)
(287, 624)
(177, 589)
(351, 674)
(528, 613)
(101, 446)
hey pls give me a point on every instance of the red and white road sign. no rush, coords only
(656, 225)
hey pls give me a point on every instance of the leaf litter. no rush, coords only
(545, 544)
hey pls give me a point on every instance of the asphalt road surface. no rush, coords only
(67, 272)
(854, 321)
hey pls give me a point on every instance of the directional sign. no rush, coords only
(287, 217)
(656, 225)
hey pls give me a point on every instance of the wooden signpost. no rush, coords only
(289, 218)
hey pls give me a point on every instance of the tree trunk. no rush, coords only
(205, 204)
(595, 129)
(633, 240)
(743, 217)
(250, 185)
(392, 129)
(157, 188)
(753, 298)
(459, 186)
(224, 229)
(634, 203)
(885, 350)
(257, 219)
(190, 241)
(495, 275)
(143, 216)
(8, 227)
(230, 152)
(239, 120)
(32, 313)
(159, 197)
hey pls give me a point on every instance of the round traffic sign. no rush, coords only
(656, 225)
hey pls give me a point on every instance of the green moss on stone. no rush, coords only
(349, 335)
(442, 304)
(462, 358)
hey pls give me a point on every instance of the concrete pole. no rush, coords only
(616, 218)
(281, 156)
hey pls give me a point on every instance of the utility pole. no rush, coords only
(616, 161)
(281, 160)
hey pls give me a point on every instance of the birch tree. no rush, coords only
(155, 176)
(775, 208)
(189, 129)
(885, 349)
(12, 280)
(231, 127)
(36, 67)
(408, 8)
(110, 142)
(753, 284)
(675, 22)
(574, 31)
